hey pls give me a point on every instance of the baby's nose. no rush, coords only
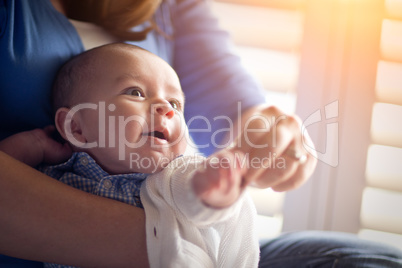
(163, 108)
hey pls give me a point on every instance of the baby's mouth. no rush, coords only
(157, 134)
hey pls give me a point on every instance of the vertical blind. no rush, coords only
(268, 37)
(381, 211)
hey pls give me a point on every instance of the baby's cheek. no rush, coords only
(131, 131)
(126, 128)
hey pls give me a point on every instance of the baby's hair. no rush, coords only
(75, 75)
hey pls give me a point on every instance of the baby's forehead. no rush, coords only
(133, 54)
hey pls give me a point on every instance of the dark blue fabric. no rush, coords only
(9, 262)
(29, 38)
(318, 249)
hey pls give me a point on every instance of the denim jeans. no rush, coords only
(305, 249)
(325, 250)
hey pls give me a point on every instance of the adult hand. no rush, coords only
(275, 146)
(36, 146)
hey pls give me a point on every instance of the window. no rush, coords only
(352, 58)
(338, 64)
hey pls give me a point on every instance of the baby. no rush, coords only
(121, 110)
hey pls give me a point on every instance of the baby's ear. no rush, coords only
(69, 126)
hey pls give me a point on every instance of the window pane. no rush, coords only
(389, 82)
(382, 210)
(391, 40)
(277, 71)
(261, 27)
(384, 167)
(386, 124)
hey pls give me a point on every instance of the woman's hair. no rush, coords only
(117, 17)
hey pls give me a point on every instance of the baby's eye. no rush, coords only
(135, 92)
(175, 104)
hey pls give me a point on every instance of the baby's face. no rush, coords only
(138, 124)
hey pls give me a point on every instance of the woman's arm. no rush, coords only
(217, 87)
(46, 220)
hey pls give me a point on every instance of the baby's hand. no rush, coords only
(35, 147)
(219, 182)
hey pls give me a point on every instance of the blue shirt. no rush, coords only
(31, 53)
(82, 172)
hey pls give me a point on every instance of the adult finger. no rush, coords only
(277, 157)
(305, 161)
(299, 177)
